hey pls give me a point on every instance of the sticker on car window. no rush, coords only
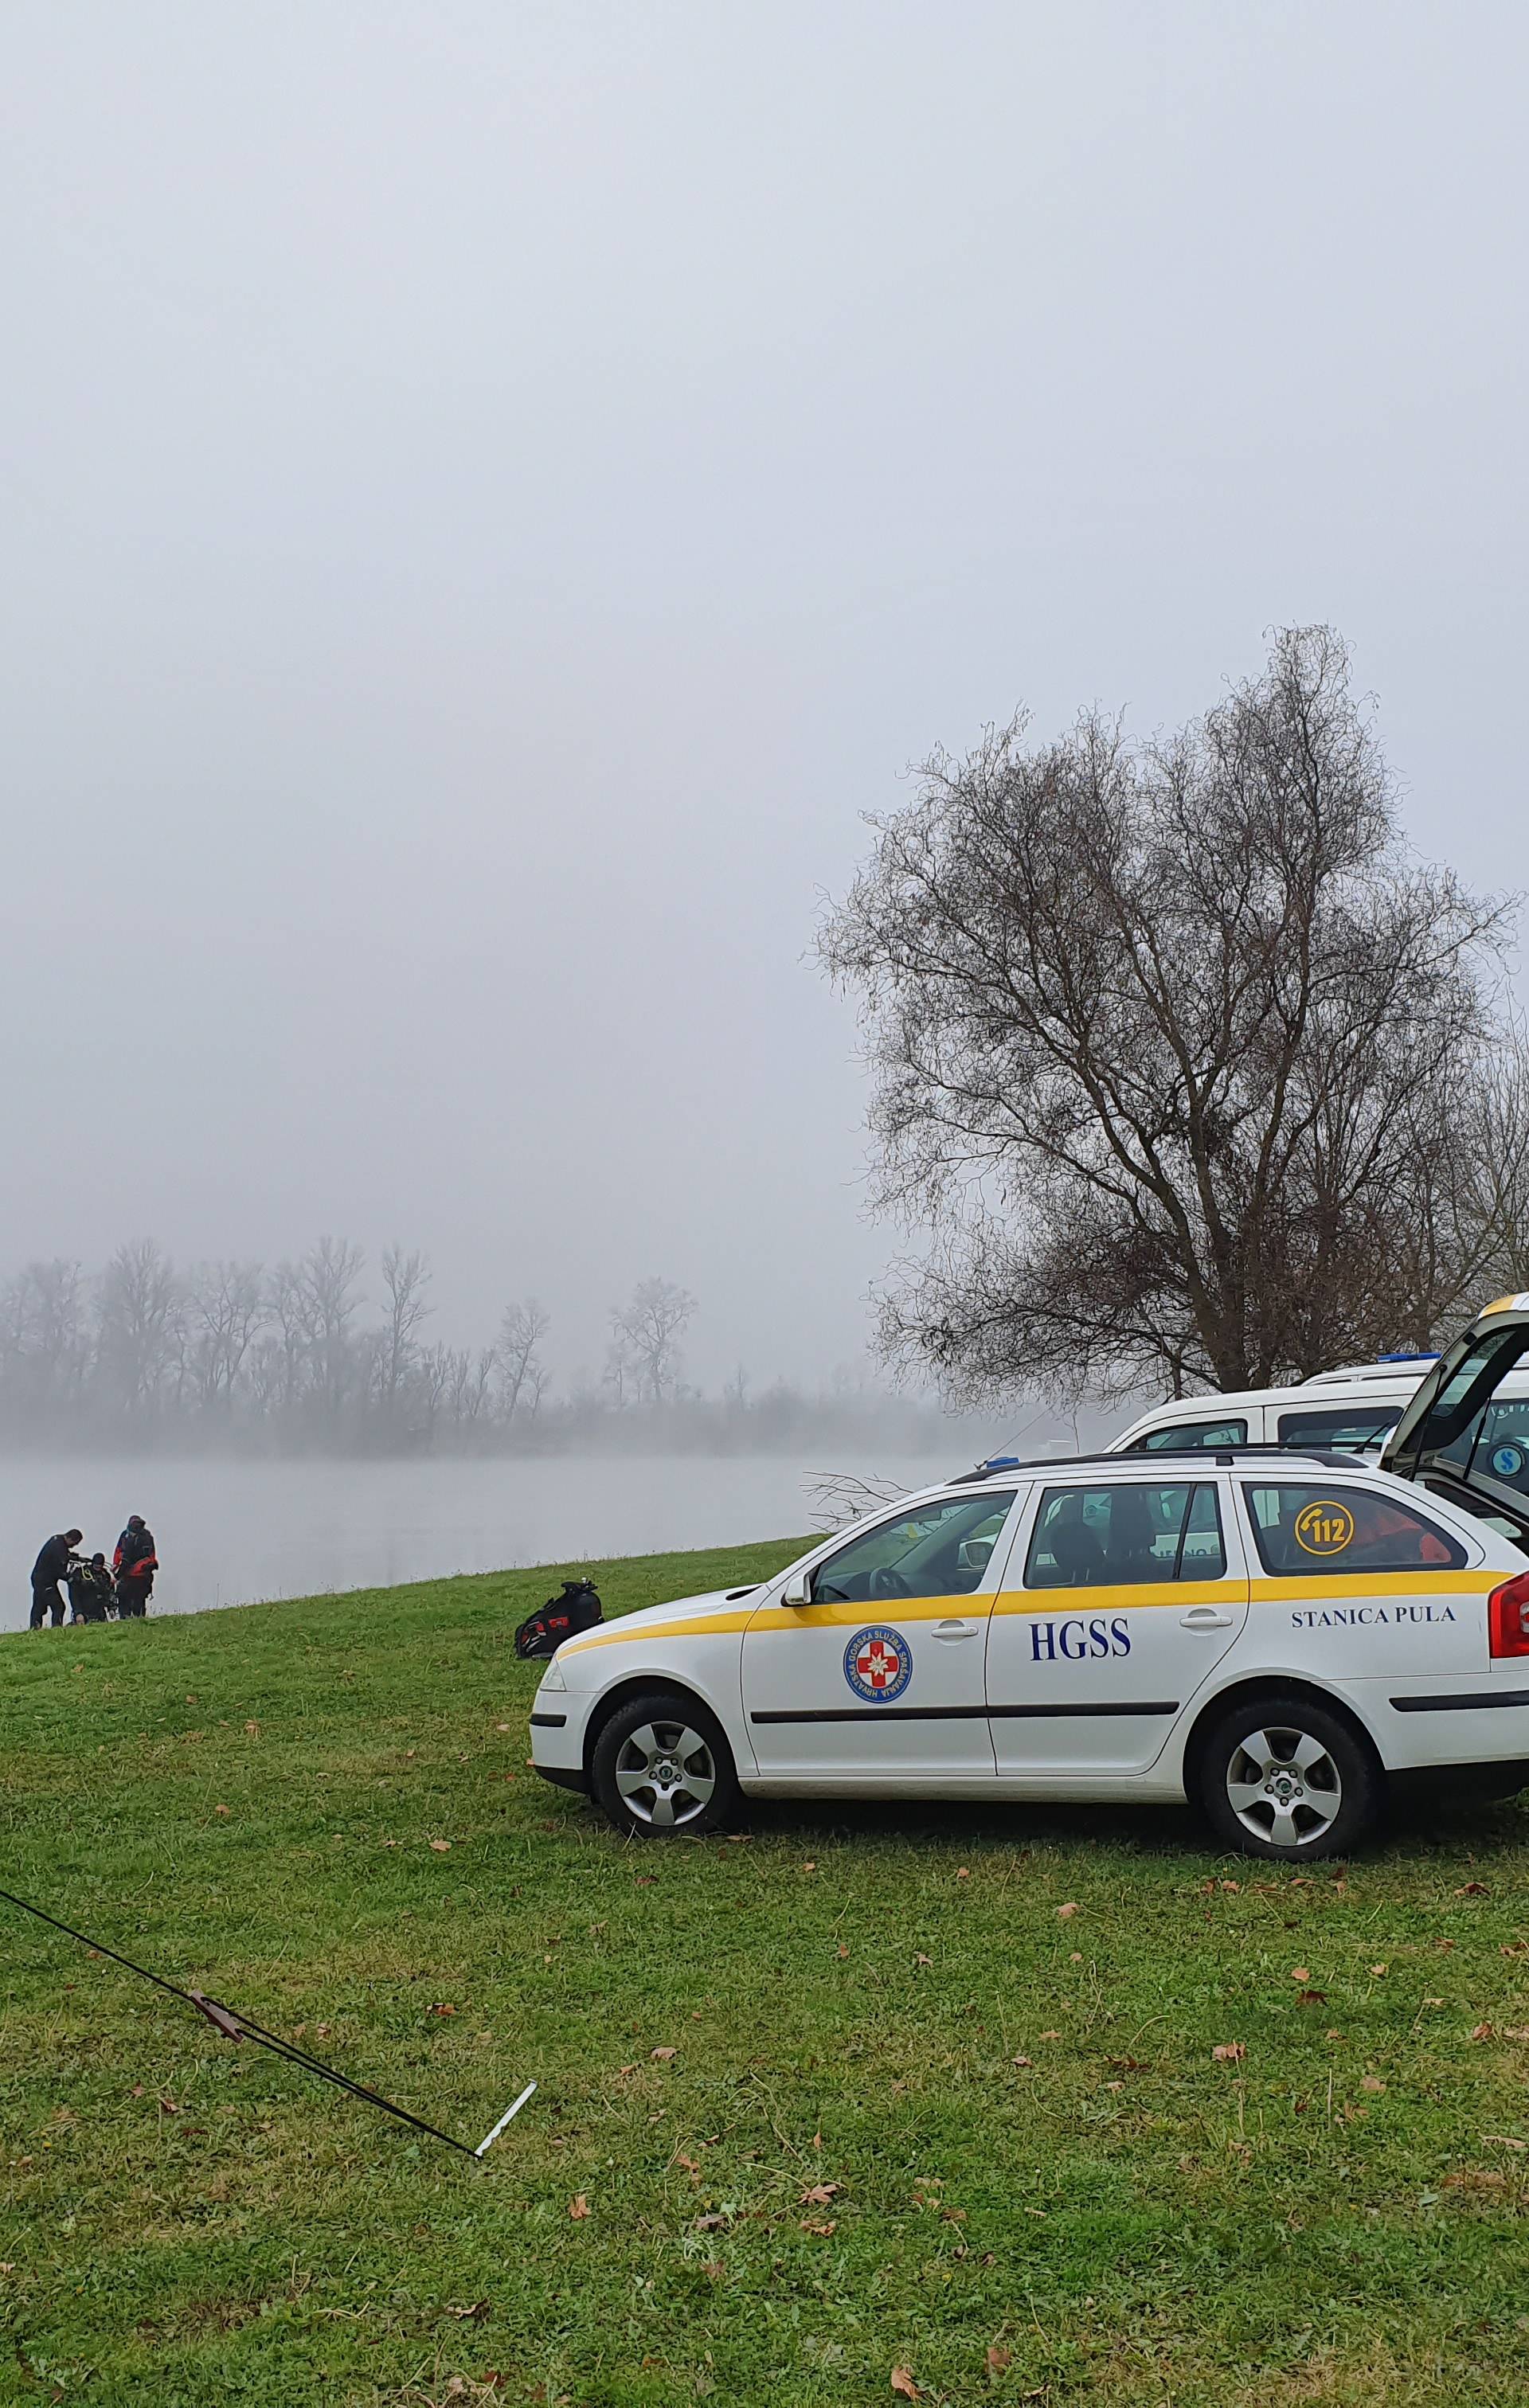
(879, 1665)
(1323, 1527)
(1507, 1461)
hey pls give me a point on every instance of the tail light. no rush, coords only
(1507, 1617)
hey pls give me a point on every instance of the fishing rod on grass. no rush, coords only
(235, 2026)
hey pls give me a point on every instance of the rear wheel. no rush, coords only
(662, 1765)
(1286, 1779)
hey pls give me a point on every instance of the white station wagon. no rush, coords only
(1283, 1637)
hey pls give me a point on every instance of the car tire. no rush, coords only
(662, 1768)
(1288, 1780)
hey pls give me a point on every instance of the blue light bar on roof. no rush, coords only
(1408, 1358)
(1000, 1463)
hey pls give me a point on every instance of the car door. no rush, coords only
(1122, 1595)
(879, 1677)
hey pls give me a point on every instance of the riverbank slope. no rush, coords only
(1032, 2106)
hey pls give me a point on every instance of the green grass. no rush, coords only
(1041, 2184)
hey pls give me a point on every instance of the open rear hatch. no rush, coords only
(1459, 1436)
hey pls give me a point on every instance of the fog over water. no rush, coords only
(230, 1533)
(494, 494)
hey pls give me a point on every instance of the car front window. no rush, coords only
(938, 1550)
(1181, 1438)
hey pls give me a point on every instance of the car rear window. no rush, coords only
(1182, 1438)
(1132, 1530)
(1303, 1529)
(1340, 1425)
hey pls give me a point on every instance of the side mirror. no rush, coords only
(797, 1591)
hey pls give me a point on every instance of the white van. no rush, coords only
(1353, 1410)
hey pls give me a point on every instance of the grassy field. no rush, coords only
(1014, 2107)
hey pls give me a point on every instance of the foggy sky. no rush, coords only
(493, 492)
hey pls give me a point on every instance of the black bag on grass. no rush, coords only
(579, 1608)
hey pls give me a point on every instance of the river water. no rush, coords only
(230, 1532)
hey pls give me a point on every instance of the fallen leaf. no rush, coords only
(1300, 1972)
(689, 2163)
(1070, 1909)
(661, 2056)
(169, 2107)
(1114, 2086)
(1024, 2060)
(478, 2313)
(1380, 1971)
(962, 1873)
(1482, 2032)
(818, 2194)
(1469, 1889)
(1515, 2031)
(921, 1959)
(441, 1846)
(1502, 2140)
(252, 1730)
(1229, 2052)
(136, 2091)
(711, 2223)
(844, 1948)
(443, 2010)
(1050, 2035)
(822, 2232)
(1514, 1948)
(1076, 1958)
(220, 1810)
(998, 2358)
(1372, 2082)
(578, 2208)
(1231, 1885)
(504, 1726)
(322, 2031)
(903, 2383)
(810, 1868)
(1311, 1997)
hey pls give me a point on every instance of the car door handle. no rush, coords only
(1204, 1617)
(956, 1629)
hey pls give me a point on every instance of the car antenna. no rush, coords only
(237, 2026)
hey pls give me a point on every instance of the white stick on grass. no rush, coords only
(507, 2118)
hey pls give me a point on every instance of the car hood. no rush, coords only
(681, 1609)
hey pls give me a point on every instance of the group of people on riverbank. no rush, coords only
(98, 1592)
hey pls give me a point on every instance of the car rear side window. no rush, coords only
(1095, 1537)
(1300, 1527)
(1182, 1438)
(1340, 1426)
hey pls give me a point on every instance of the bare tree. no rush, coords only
(647, 1331)
(225, 1305)
(327, 1277)
(1173, 1044)
(522, 1329)
(138, 1307)
(404, 1280)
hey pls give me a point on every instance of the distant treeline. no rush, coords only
(297, 1358)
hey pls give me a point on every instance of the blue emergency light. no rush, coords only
(1408, 1358)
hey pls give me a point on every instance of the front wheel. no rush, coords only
(662, 1765)
(1285, 1779)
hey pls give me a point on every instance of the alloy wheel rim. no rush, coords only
(1283, 1786)
(665, 1774)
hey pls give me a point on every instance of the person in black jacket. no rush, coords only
(90, 1590)
(135, 1565)
(52, 1565)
